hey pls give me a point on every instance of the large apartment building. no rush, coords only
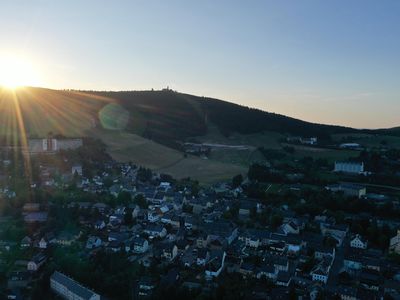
(69, 289)
(51, 145)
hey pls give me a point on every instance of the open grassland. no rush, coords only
(125, 146)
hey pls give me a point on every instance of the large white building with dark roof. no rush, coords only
(69, 289)
(349, 167)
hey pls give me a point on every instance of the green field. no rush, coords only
(125, 146)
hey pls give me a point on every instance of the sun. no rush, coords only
(17, 72)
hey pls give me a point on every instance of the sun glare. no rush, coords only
(17, 72)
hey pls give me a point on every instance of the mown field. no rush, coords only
(125, 146)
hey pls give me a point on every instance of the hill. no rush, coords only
(148, 127)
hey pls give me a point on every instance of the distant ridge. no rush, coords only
(164, 116)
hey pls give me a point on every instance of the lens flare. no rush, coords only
(17, 72)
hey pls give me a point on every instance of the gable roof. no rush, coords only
(72, 285)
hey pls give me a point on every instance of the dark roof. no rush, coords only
(283, 276)
(72, 285)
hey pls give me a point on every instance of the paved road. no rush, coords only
(337, 264)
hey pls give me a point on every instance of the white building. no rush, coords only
(69, 289)
(140, 245)
(320, 276)
(93, 242)
(395, 243)
(349, 167)
(51, 145)
(358, 242)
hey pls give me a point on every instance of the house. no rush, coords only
(338, 232)
(346, 292)
(201, 241)
(324, 252)
(293, 247)
(255, 238)
(267, 270)
(36, 217)
(290, 228)
(280, 263)
(36, 262)
(188, 258)
(26, 242)
(348, 189)
(115, 220)
(197, 205)
(114, 246)
(31, 207)
(162, 209)
(19, 279)
(247, 270)
(246, 207)
(358, 242)
(191, 223)
(166, 218)
(117, 236)
(153, 217)
(155, 231)
(93, 242)
(159, 198)
(145, 287)
(66, 238)
(101, 207)
(47, 240)
(309, 141)
(99, 225)
(394, 245)
(283, 278)
(277, 246)
(115, 189)
(222, 229)
(352, 260)
(203, 255)
(215, 264)
(370, 280)
(169, 251)
(320, 274)
(140, 245)
(170, 280)
(69, 289)
(175, 221)
(76, 169)
(182, 245)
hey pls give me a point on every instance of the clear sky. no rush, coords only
(335, 62)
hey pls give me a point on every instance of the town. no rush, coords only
(77, 224)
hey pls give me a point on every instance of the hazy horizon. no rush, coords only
(331, 63)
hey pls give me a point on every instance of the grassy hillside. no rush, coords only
(124, 146)
(146, 127)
